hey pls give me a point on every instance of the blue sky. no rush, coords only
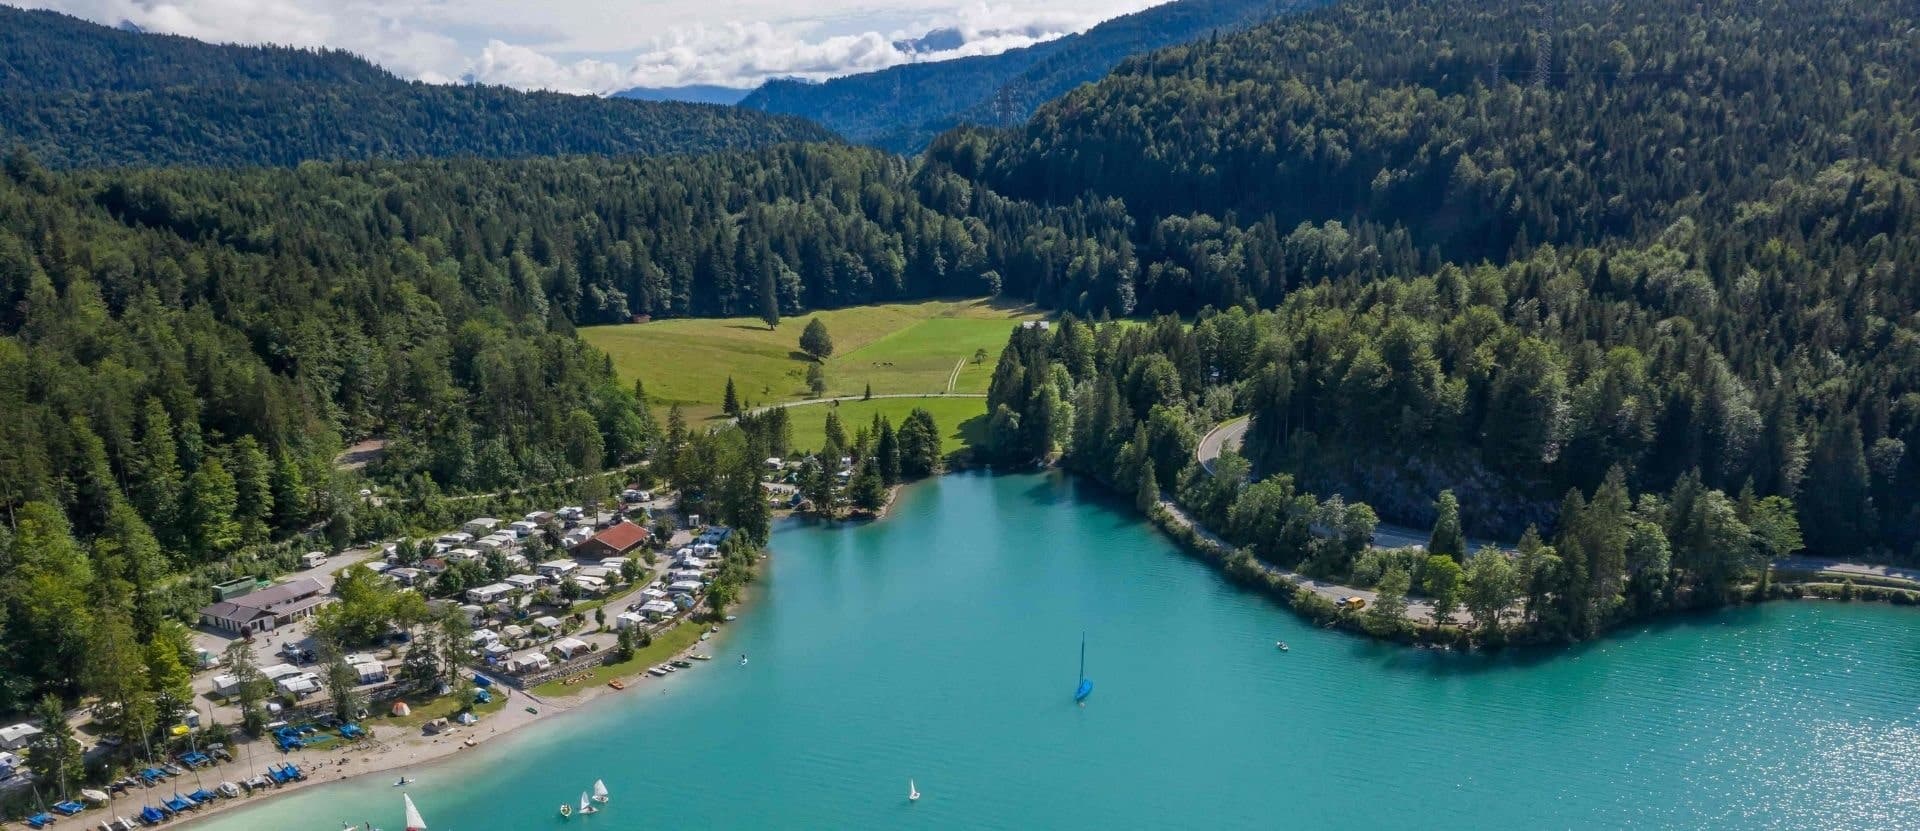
(599, 46)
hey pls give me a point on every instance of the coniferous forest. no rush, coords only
(1640, 264)
(81, 95)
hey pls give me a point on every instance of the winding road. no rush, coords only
(1232, 432)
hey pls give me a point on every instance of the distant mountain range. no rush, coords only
(691, 93)
(904, 107)
(78, 94)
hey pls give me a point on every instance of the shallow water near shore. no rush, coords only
(942, 644)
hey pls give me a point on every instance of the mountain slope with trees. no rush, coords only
(82, 95)
(904, 107)
(1689, 245)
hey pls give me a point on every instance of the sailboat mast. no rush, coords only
(1083, 655)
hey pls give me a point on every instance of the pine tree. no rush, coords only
(769, 300)
(730, 403)
(815, 341)
(1447, 538)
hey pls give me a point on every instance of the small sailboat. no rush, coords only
(403, 781)
(743, 659)
(586, 807)
(566, 810)
(600, 791)
(1280, 645)
(1086, 684)
(414, 822)
(913, 793)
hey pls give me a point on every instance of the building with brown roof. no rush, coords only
(617, 541)
(267, 608)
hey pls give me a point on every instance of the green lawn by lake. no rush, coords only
(894, 347)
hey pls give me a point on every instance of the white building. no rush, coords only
(526, 662)
(480, 526)
(525, 582)
(556, 569)
(16, 736)
(626, 620)
(490, 593)
(657, 609)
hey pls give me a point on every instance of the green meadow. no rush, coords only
(893, 348)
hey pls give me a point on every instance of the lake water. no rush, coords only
(942, 644)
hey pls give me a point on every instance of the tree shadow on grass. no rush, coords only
(974, 430)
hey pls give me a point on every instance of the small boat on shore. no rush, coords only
(671, 668)
(657, 671)
(681, 663)
(702, 656)
(617, 684)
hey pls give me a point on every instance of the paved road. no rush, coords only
(1838, 567)
(1418, 610)
(1226, 434)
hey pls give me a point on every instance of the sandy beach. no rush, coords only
(391, 749)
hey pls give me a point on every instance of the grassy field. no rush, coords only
(962, 421)
(895, 347)
(665, 645)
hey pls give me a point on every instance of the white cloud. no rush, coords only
(601, 46)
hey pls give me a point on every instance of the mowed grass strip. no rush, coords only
(962, 421)
(895, 347)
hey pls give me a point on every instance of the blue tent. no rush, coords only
(69, 807)
(351, 731)
(482, 680)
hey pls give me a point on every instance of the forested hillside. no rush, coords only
(1689, 246)
(903, 108)
(82, 95)
(175, 403)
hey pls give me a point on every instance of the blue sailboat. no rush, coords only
(1086, 684)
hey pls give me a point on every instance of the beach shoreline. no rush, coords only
(409, 753)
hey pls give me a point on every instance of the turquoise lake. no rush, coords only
(942, 644)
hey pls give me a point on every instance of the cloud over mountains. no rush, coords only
(602, 46)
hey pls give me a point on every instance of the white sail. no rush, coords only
(414, 822)
(913, 791)
(583, 801)
(599, 790)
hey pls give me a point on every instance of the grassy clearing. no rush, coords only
(895, 347)
(443, 707)
(962, 421)
(665, 645)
